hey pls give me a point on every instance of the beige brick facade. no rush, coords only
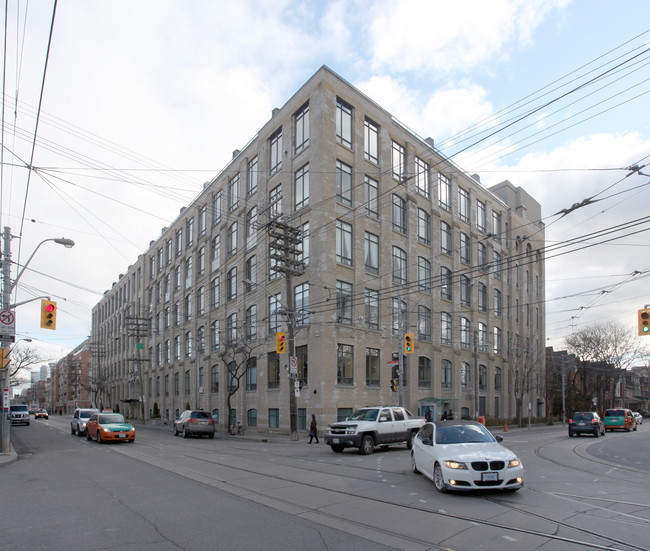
(383, 215)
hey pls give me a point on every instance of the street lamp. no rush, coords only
(7, 288)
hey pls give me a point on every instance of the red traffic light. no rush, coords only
(49, 307)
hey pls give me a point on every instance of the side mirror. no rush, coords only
(383, 419)
(499, 438)
(427, 442)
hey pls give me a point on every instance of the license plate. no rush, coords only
(335, 440)
(121, 435)
(203, 423)
(489, 477)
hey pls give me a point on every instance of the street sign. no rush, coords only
(5, 400)
(293, 365)
(7, 338)
(7, 322)
(6, 357)
(296, 388)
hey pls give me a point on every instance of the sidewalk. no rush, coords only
(8, 457)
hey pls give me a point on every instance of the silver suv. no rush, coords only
(79, 420)
(195, 423)
(19, 414)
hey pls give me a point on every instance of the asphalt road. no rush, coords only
(266, 492)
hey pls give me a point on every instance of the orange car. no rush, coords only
(619, 419)
(109, 427)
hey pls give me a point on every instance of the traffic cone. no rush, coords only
(505, 429)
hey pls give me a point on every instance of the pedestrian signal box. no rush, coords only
(48, 314)
(644, 322)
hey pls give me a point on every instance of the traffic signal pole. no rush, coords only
(5, 421)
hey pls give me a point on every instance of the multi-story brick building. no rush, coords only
(341, 227)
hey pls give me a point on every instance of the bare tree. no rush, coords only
(523, 371)
(235, 359)
(22, 359)
(605, 349)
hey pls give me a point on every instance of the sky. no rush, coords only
(141, 102)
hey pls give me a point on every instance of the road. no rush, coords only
(270, 493)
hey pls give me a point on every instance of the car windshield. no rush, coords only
(109, 418)
(200, 415)
(615, 413)
(364, 415)
(583, 416)
(462, 434)
(18, 408)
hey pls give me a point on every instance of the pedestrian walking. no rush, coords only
(427, 415)
(313, 429)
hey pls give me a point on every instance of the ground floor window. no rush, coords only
(274, 418)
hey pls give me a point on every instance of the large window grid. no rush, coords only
(398, 161)
(372, 308)
(371, 196)
(343, 243)
(301, 127)
(371, 141)
(344, 183)
(344, 302)
(399, 214)
(275, 151)
(372, 366)
(345, 364)
(422, 177)
(301, 187)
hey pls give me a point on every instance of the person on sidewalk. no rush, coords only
(313, 429)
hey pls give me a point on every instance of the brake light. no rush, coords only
(594, 421)
(570, 421)
(190, 420)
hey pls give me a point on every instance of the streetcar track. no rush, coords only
(625, 546)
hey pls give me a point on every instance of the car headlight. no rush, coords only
(455, 464)
(351, 430)
(104, 429)
(514, 463)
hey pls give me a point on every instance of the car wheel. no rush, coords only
(337, 448)
(597, 433)
(409, 442)
(79, 433)
(88, 436)
(367, 445)
(571, 434)
(438, 479)
(414, 467)
(72, 430)
(634, 427)
(211, 436)
(185, 434)
(99, 437)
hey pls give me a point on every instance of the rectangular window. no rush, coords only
(251, 323)
(372, 366)
(497, 303)
(215, 292)
(203, 217)
(465, 249)
(233, 193)
(372, 309)
(345, 365)
(216, 253)
(301, 304)
(189, 232)
(424, 227)
(398, 161)
(301, 187)
(496, 226)
(343, 243)
(424, 274)
(344, 302)
(482, 297)
(275, 307)
(399, 266)
(274, 418)
(231, 236)
(275, 201)
(422, 177)
(251, 173)
(343, 123)
(301, 126)
(445, 328)
(481, 216)
(463, 205)
(424, 323)
(215, 330)
(444, 191)
(273, 370)
(372, 253)
(446, 243)
(445, 374)
(445, 283)
(250, 274)
(424, 372)
(251, 374)
(275, 151)
(214, 379)
(464, 333)
(251, 228)
(216, 207)
(399, 214)
(371, 197)
(344, 183)
(231, 284)
(371, 141)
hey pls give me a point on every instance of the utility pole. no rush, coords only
(5, 422)
(137, 327)
(285, 240)
(476, 373)
(400, 345)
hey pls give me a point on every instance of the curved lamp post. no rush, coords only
(67, 243)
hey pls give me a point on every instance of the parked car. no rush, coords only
(464, 455)
(619, 419)
(638, 417)
(586, 422)
(79, 419)
(197, 423)
(109, 427)
(41, 413)
(19, 414)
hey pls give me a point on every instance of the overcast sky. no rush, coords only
(144, 101)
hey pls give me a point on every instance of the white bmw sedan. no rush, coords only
(463, 455)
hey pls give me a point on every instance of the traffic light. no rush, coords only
(48, 314)
(393, 384)
(409, 343)
(280, 343)
(644, 322)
